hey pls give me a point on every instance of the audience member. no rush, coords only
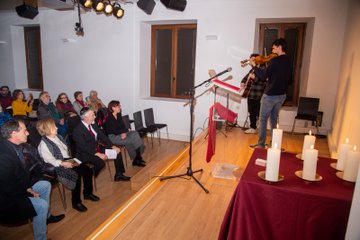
(18, 199)
(66, 109)
(38, 170)
(120, 135)
(5, 98)
(87, 137)
(93, 102)
(79, 102)
(54, 150)
(21, 107)
(47, 109)
(64, 105)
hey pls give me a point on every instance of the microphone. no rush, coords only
(221, 73)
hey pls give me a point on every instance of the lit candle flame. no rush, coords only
(354, 148)
(347, 140)
(277, 125)
(275, 145)
(310, 132)
(312, 147)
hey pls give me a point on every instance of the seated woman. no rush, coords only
(54, 150)
(79, 102)
(120, 135)
(64, 106)
(20, 106)
(66, 109)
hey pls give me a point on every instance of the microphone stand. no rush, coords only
(190, 172)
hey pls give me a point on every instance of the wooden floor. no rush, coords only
(176, 208)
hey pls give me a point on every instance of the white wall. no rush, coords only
(113, 55)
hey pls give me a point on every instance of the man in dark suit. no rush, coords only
(18, 199)
(88, 138)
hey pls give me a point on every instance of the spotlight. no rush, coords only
(98, 5)
(86, 3)
(108, 8)
(118, 11)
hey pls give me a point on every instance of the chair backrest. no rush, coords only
(126, 121)
(138, 122)
(149, 117)
(308, 106)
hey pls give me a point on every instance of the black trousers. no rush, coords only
(84, 173)
(253, 109)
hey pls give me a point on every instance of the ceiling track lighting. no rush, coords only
(107, 6)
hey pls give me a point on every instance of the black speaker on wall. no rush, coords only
(146, 5)
(175, 4)
(27, 11)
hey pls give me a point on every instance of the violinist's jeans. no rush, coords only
(270, 107)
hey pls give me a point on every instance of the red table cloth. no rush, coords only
(289, 209)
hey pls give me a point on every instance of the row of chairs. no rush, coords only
(150, 125)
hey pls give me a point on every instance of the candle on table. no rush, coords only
(310, 163)
(308, 141)
(272, 164)
(343, 150)
(351, 165)
(276, 137)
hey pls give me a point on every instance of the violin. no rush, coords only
(259, 59)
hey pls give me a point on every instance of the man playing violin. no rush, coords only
(254, 89)
(277, 75)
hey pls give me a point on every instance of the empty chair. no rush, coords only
(127, 121)
(139, 126)
(307, 110)
(150, 122)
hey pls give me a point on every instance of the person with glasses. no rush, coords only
(120, 135)
(47, 109)
(91, 143)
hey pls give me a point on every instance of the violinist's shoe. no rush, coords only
(251, 131)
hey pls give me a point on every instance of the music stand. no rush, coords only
(190, 172)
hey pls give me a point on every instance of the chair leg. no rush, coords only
(109, 169)
(167, 132)
(158, 133)
(292, 131)
(62, 195)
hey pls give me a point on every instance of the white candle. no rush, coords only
(343, 150)
(310, 162)
(272, 164)
(308, 141)
(351, 165)
(276, 137)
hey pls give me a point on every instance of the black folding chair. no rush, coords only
(139, 127)
(150, 122)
